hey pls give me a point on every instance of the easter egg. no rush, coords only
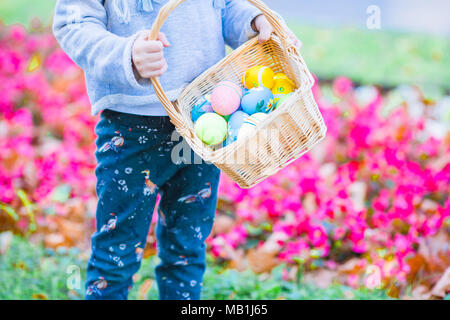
(211, 128)
(226, 98)
(282, 86)
(235, 123)
(257, 100)
(249, 125)
(258, 76)
(202, 106)
(282, 100)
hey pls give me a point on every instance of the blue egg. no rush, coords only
(235, 123)
(244, 91)
(202, 106)
(257, 100)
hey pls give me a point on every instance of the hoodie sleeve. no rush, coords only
(80, 28)
(237, 18)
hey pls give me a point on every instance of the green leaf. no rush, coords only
(61, 193)
(29, 208)
(9, 211)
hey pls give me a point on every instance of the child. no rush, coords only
(108, 39)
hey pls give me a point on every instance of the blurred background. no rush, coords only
(364, 215)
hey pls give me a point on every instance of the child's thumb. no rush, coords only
(265, 33)
(162, 37)
(144, 34)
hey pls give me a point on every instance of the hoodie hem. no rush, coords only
(138, 105)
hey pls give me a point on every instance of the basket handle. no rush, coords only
(163, 14)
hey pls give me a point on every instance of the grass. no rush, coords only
(377, 57)
(33, 272)
(22, 11)
(368, 57)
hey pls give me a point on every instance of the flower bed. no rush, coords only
(369, 206)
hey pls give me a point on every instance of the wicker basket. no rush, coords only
(284, 136)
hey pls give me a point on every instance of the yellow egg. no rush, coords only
(282, 86)
(258, 76)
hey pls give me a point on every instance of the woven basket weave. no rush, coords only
(284, 136)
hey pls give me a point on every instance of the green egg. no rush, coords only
(282, 100)
(211, 128)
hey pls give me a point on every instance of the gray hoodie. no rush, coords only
(99, 34)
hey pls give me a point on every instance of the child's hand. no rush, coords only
(265, 29)
(148, 56)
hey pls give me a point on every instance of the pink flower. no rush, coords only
(339, 233)
(295, 249)
(402, 245)
(236, 236)
(317, 236)
(59, 63)
(353, 280)
(17, 32)
(342, 86)
(360, 135)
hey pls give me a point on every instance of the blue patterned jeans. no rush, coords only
(135, 162)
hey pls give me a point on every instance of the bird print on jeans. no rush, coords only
(200, 196)
(97, 286)
(150, 187)
(111, 224)
(115, 143)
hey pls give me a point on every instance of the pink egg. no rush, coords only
(226, 98)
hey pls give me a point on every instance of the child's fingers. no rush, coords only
(150, 57)
(155, 69)
(152, 46)
(158, 72)
(296, 42)
(162, 37)
(143, 45)
(156, 66)
(163, 70)
(265, 33)
(143, 35)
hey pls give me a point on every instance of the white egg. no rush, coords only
(250, 124)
